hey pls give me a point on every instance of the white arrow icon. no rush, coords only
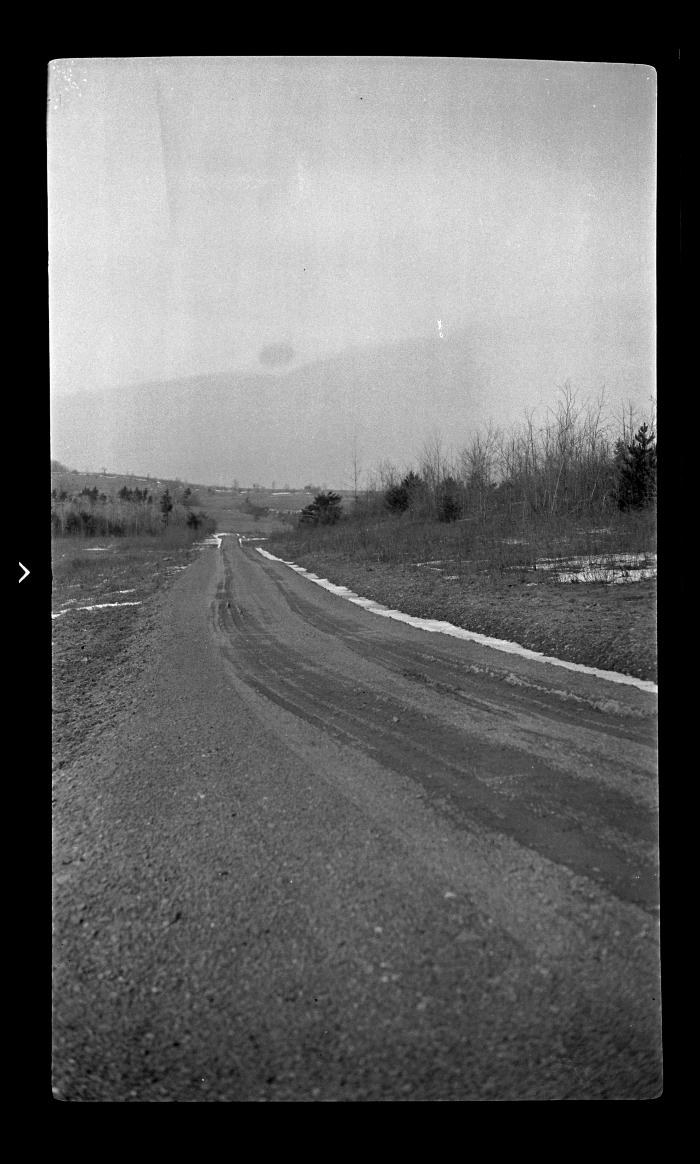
(26, 572)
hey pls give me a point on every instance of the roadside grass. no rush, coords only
(97, 566)
(471, 547)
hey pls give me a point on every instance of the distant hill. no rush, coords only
(73, 481)
(300, 425)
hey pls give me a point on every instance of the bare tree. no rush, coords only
(355, 465)
(432, 464)
(476, 469)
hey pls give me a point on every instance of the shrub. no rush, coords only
(88, 523)
(255, 511)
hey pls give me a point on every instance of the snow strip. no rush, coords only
(103, 605)
(458, 632)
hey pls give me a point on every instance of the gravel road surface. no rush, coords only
(321, 855)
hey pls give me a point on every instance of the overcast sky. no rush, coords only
(204, 209)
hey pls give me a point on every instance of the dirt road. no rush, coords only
(327, 856)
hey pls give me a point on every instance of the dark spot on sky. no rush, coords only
(276, 355)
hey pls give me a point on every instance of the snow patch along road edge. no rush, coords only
(436, 626)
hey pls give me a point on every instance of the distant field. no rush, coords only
(290, 501)
(282, 504)
(281, 501)
(73, 481)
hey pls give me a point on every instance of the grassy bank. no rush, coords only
(472, 547)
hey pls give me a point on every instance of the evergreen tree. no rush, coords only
(325, 509)
(166, 505)
(398, 497)
(635, 466)
(449, 500)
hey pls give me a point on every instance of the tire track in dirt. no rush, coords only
(594, 830)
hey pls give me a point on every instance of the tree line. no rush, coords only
(574, 464)
(128, 512)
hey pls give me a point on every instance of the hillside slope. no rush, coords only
(301, 424)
